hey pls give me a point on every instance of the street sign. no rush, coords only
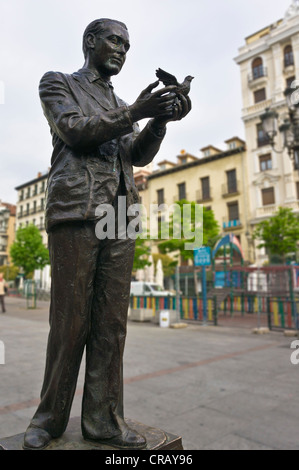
(202, 256)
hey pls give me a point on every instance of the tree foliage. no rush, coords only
(279, 234)
(142, 252)
(177, 235)
(28, 250)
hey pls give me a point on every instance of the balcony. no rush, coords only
(204, 196)
(231, 189)
(229, 225)
(262, 140)
(270, 209)
(177, 198)
(258, 76)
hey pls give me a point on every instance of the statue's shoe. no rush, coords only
(128, 439)
(36, 438)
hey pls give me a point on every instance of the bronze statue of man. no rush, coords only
(96, 141)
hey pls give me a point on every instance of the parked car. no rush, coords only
(148, 288)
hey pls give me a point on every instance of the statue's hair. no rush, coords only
(96, 27)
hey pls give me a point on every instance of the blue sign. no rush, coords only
(202, 256)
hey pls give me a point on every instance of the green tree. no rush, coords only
(9, 272)
(142, 252)
(28, 250)
(279, 234)
(177, 236)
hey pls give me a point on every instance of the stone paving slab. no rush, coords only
(218, 387)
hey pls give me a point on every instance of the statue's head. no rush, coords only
(105, 45)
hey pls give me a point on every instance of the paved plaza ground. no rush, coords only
(218, 387)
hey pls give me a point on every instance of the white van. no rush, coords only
(148, 288)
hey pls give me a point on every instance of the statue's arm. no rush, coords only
(66, 118)
(147, 144)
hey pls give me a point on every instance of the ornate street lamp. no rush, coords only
(290, 127)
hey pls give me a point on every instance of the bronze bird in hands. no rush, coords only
(168, 79)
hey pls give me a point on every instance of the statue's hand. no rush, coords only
(181, 107)
(154, 105)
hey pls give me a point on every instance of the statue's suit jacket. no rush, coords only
(93, 143)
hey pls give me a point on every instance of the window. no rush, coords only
(233, 210)
(297, 187)
(27, 209)
(35, 190)
(207, 153)
(262, 138)
(231, 181)
(28, 192)
(182, 191)
(42, 189)
(288, 56)
(21, 195)
(160, 196)
(232, 145)
(268, 196)
(34, 207)
(205, 188)
(257, 68)
(289, 81)
(266, 162)
(259, 95)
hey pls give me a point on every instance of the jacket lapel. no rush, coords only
(89, 88)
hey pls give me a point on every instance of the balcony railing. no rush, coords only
(263, 140)
(177, 198)
(230, 189)
(257, 73)
(203, 196)
(231, 224)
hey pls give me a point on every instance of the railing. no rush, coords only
(261, 141)
(231, 224)
(229, 189)
(257, 73)
(202, 196)
(190, 308)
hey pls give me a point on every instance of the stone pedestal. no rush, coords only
(72, 439)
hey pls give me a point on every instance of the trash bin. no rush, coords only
(164, 318)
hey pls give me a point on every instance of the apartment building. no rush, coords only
(269, 63)
(7, 231)
(217, 180)
(31, 203)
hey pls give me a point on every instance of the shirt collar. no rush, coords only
(95, 77)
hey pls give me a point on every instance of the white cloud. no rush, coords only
(197, 37)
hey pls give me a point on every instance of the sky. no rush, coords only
(184, 37)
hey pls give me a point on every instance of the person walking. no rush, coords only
(2, 292)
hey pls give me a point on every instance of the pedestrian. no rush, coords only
(3, 287)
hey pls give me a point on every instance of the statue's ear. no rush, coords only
(90, 40)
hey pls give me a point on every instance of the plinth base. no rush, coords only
(72, 439)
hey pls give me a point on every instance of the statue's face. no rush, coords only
(110, 49)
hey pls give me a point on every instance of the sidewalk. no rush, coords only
(217, 387)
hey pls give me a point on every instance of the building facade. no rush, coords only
(31, 204)
(269, 63)
(217, 181)
(7, 231)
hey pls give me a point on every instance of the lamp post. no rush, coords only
(290, 127)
